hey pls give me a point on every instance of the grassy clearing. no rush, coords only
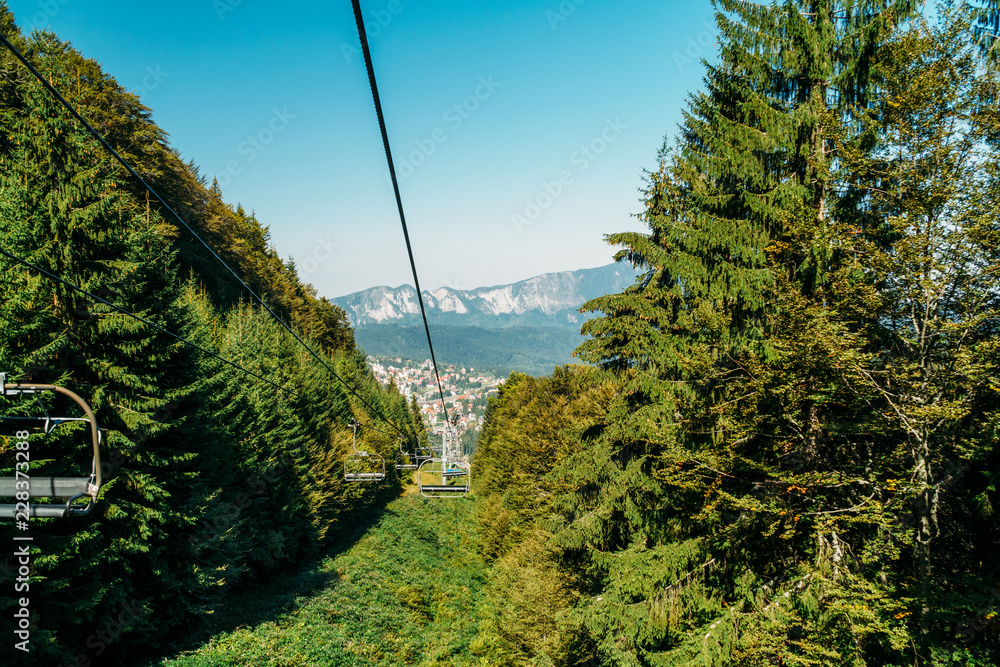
(405, 594)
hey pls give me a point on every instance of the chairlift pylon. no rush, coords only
(362, 466)
(25, 487)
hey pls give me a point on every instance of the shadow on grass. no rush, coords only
(270, 596)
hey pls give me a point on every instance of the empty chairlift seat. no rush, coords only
(60, 496)
(362, 466)
(444, 478)
(411, 460)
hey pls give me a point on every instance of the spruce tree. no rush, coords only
(72, 216)
(744, 212)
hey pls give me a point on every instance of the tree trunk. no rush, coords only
(926, 529)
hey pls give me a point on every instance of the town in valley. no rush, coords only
(466, 392)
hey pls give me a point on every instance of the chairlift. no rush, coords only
(410, 460)
(444, 478)
(452, 466)
(362, 466)
(69, 490)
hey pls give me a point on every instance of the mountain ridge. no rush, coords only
(546, 300)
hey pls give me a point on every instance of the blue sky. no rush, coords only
(522, 127)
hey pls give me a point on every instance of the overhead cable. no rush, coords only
(97, 135)
(395, 188)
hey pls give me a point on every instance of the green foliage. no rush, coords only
(531, 426)
(212, 479)
(528, 610)
(405, 594)
(804, 376)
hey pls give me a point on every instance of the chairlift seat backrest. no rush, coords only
(67, 489)
(362, 466)
(410, 460)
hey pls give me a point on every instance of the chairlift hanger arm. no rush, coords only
(16, 388)
(373, 466)
(68, 488)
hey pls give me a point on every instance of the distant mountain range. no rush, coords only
(548, 300)
(530, 326)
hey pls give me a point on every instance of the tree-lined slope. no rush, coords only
(797, 462)
(212, 477)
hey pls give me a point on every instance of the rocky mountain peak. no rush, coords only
(551, 299)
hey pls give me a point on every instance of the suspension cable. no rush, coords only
(395, 188)
(100, 138)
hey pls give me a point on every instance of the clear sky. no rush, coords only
(521, 128)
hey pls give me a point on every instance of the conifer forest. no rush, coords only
(780, 446)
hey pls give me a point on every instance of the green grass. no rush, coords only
(405, 594)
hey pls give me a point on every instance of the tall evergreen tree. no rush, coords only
(745, 213)
(73, 217)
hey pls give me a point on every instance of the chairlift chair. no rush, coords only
(454, 468)
(451, 466)
(410, 460)
(447, 478)
(404, 462)
(69, 490)
(362, 466)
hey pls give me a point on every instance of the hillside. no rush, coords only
(407, 592)
(223, 438)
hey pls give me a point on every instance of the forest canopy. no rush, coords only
(787, 454)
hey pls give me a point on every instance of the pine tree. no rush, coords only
(744, 213)
(74, 218)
